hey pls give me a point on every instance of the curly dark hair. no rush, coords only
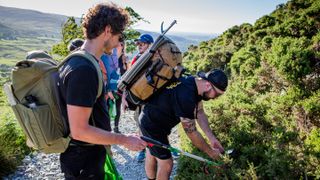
(102, 15)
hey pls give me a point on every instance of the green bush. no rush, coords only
(313, 141)
(311, 108)
(291, 57)
(245, 61)
(12, 143)
(270, 111)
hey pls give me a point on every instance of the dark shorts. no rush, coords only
(155, 132)
(83, 162)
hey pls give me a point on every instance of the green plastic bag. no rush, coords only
(112, 109)
(112, 106)
(110, 169)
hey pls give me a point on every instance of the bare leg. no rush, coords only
(150, 165)
(164, 169)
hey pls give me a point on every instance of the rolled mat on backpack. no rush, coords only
(157, 67)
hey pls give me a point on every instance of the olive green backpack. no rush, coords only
(34, 98)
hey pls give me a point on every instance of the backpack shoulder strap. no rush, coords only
(94, 62)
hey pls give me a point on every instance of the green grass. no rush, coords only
(12, 51)
(12, 142)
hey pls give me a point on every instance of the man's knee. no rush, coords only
(165, 164)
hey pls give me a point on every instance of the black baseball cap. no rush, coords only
(75, 43)
(217, 77)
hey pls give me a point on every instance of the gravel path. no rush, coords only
(46, 166)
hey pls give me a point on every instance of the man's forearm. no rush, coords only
(95, 135)
(199, 142)
(204, 125)
(81, 130)
(189, 127)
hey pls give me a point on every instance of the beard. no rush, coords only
(106, 47)
(205, 96)
(105, 44)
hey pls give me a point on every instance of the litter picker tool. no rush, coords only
(152, 142)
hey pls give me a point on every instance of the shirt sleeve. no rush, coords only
(82, 86)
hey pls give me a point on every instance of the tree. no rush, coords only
(131, 33)
(71, 30)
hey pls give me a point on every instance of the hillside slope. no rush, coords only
(270, 113)
(28, 23)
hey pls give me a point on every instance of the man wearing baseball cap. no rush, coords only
(181, 102)
(143, 43)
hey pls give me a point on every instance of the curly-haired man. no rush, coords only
(103, 27)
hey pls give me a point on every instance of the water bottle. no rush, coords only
(31, 100)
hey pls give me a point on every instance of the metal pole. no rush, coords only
(170, 148)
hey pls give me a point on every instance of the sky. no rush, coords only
(196, 16)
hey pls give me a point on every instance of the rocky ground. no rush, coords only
(43, 166)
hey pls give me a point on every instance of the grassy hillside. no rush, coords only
(13, 50)
(271, 111)
(7, 32)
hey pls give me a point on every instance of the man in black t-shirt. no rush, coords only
(181, 102)
(88, 118)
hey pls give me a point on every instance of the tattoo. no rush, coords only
(188, 125)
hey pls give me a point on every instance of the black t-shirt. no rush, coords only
(78, 85)
(179, 99)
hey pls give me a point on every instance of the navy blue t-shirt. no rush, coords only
(179, 99)
(78, 85)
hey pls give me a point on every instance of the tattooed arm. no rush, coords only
(202, 120)
(189, 126)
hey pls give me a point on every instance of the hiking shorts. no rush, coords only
(83, 162)
(153, 131)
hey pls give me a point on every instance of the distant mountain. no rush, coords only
(17, 22)
(183, 40)
(8, 32)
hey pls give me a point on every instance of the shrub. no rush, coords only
(245, 61)
(12, 143)
(291, 57)
(270, 112)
